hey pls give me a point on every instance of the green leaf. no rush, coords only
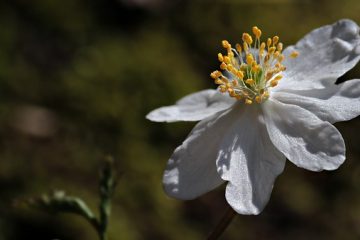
(59, 202)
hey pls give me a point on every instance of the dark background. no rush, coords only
(78, 77)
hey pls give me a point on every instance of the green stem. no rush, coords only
(107, 186)
(105, 209)
(223, 224)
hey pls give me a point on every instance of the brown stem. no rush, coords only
(223, 224)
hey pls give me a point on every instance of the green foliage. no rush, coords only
(59, 202)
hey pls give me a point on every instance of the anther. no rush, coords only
(275, 40)
(250, 81)
(256, 31)
(220, 57)
(238, 97)
(249, 58)
(281, 58)
(273, 83)
(268, 42)
(294, 54)
(254, 67)
(240, 74)
(232, 93)
(272, 50)
(226, 59)
(278, 77)
(226, 44)
(238, 48)
(222, 88)
(218, 81)
(215, 74)
(247, 38)
(248, 101)
(223, 66)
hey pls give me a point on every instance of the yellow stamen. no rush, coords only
(223, 66)
(248, 101)
(250, 81)
(249, 58)
(258, 99)
(251, 78)
(240, 75)
(218, 81)
(215, 74)
(256, 31)
(294, 54)
(238, 97)
(220, 57)
(262, 49)
(278, 77)
(268, 42)
(226, 44)
(246, 47)
(222, 88)
(272, 50)
(238, 48)
(273, 83)
(247, 38)
(232, 93)
(254, 67)
(281, 58)
(226, 59)
(230, 68)
(275, 40)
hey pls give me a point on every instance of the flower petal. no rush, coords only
(333, 104)
(193, 107)
(325, 54)
(302, 137)
(249, 161)
(191, 170)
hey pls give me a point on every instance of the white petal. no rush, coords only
(193, 107)
(333, 104)
(324, 55)
(191, 170)
(302, 137)
(249, 161)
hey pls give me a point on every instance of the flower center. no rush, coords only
(252, 68)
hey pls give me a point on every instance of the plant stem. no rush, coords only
(223, 224)
(107, 187)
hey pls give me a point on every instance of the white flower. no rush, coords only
(246, 145)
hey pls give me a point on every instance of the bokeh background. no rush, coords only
(78, 77)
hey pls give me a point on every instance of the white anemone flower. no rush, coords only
(271, 105)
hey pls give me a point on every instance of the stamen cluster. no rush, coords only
(253, 67)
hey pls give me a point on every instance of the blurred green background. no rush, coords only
(78, 77)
